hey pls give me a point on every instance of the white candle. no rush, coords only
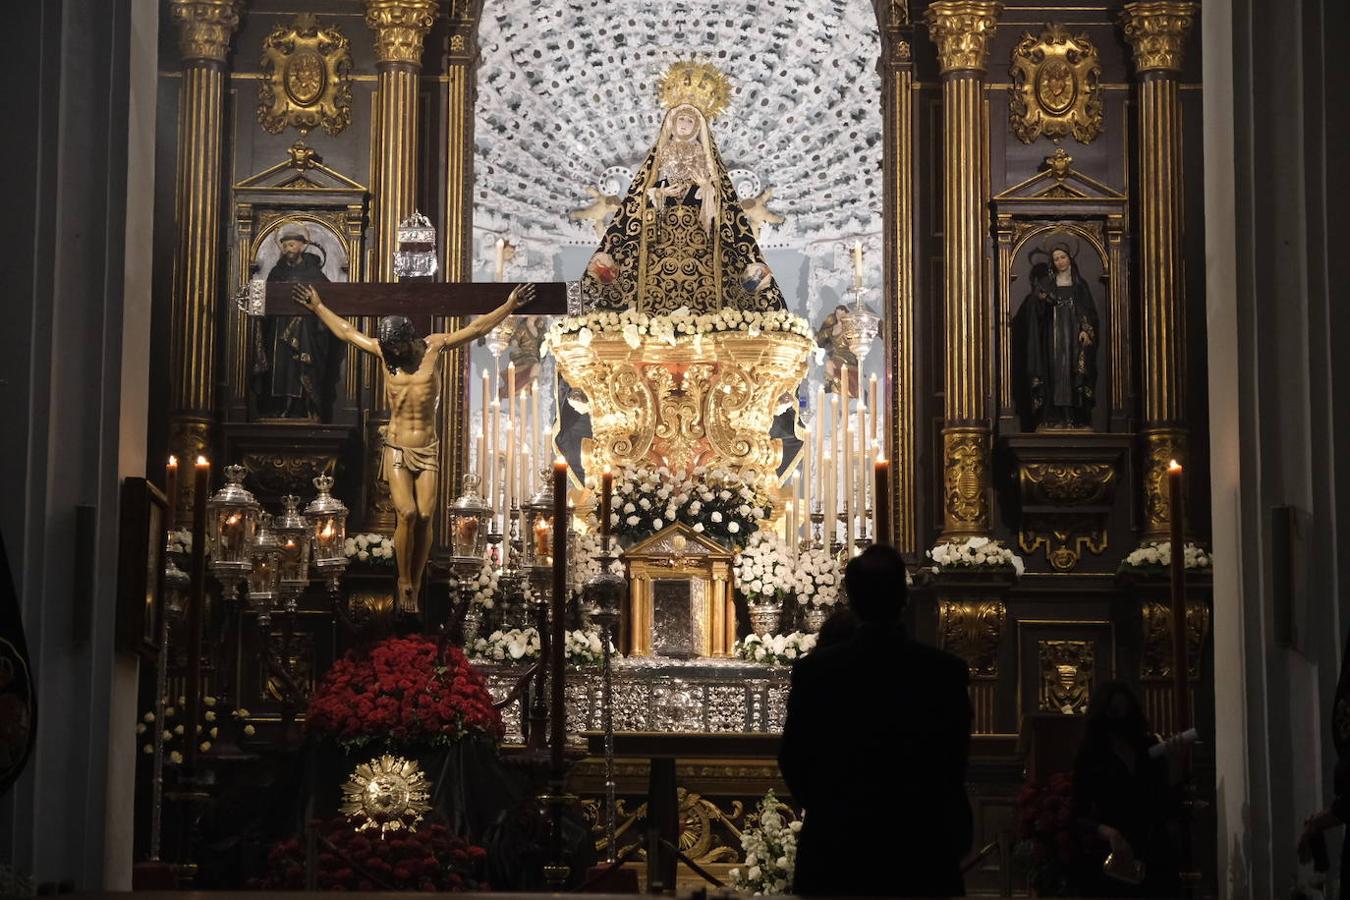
(487, 441)
(539, 450)
(798, 508)
(501, 259)
(494, 463)
(876, 408)
(819, 425)
(828, 465)
(510, 463)
(862, 468)
(850, 503)
(480, 458)
(857, 266)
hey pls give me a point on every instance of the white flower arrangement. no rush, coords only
(716, 502)
(974, 553)
(580, 648)
(513, 645)
(484, 585)
(583, 559)
(371, 547)
(770, 847)
(1155, 555)
(681, 323)
(764, 570)
(775, 650)
(171, 733)
(819, 578)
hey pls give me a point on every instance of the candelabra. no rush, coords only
(537, 559)
(468, 543)
(604, 595)
(858, 326)
(327, 518)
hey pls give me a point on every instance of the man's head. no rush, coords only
(292, 238)
(875, 583)
(398, 342)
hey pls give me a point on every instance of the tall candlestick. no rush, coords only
(1180, 667)
(509, 436)
(857, 266)
(487, 437)
(827, 465)
(494, 465)
(850, 501)
(558, 606)
(881, 503)
(501, 260)
(872, 404)
(864, 457)
(801, 512)
(540, 451)
(606, 498)
(196, 604)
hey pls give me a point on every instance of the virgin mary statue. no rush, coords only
(680, 238)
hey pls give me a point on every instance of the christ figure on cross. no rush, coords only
(410, 461)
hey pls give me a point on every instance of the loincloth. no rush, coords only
(415, 459)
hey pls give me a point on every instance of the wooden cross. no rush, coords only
(418, 300)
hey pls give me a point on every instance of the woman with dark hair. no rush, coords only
(1125, 800)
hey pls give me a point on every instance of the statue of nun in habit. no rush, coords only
(1062, 338)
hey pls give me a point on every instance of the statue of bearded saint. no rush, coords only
(684, 164)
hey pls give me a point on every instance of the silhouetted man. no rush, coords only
(875, 747)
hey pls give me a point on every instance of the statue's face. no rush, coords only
(1061, 260)
(291, 248)
(685, 125)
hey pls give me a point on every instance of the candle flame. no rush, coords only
(327, 531)
(201, 461)
(173, 461)
(233, 520)
(1174, 466)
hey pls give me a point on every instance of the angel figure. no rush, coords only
(598, 211)
(758, 212)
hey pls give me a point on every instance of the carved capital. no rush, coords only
(1157, 30)
(400, 26)
(205, 27)
(966, 481)
(972, 630)
(961, 29)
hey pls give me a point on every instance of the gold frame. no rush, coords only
(1055, 56)
(1106, 625)
(293, 55)
(679, 552)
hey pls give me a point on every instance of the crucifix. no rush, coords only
(409, 461)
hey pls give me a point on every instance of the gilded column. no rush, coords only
(204, 31)
(400, 27)
(1157, 31)
(897, 89)
(460, 83)
(961, 29)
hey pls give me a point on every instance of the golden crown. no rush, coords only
(701, 85)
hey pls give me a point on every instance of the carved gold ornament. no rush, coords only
(1157, 30)
(699, 84)
(306, 78)
(1066, 676)
(388, 793)
(400, 26)
(972, 630)
(205, 27)
(1155, 662)
(961, 29)
(966, 480)
(1056, 86)
(1161, 446)
(708, 401)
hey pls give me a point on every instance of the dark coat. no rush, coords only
(875, 748)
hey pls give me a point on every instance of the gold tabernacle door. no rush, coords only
(680, 598)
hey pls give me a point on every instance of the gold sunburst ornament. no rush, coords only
(699, 84)
(389, 793)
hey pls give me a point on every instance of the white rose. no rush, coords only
(733, 527)
(698, 527)
(633, 520)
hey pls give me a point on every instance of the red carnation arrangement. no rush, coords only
(1049, 844)
(398, 693)
(428, 859)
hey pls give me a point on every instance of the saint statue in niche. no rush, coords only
(291, 354)
(1060, 324)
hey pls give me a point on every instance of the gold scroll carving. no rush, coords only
(1066, 675)
(1056, 86)
(961, 29)
(972, 629)
(1157, 30)
(1155, 662)
(966, 480)
(306, 80)
(1161, 446)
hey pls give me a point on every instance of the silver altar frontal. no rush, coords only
(700, 696)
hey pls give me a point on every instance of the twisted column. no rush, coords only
(897, 91)
(204, 31)
(1157, 31)
(961, 29)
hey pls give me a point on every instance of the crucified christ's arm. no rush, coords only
(484, 323)
(307, 297)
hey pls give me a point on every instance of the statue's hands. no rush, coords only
(522, 295)
(306, 296)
